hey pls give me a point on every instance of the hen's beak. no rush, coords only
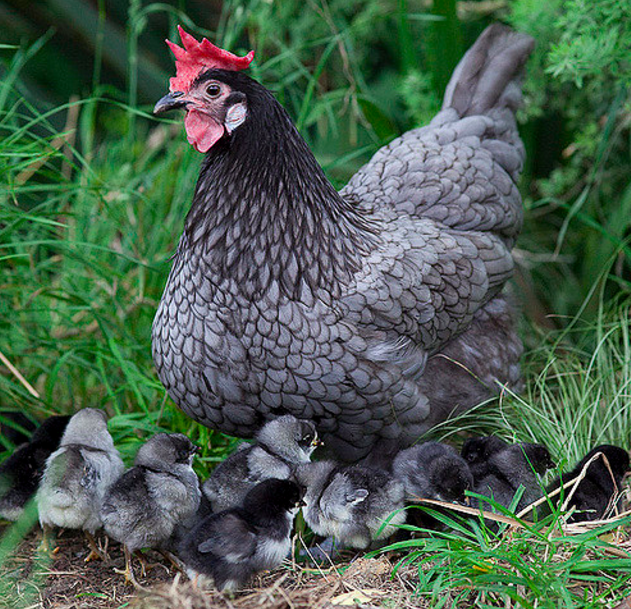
(171, 101)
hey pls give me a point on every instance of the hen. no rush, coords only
(375, 312)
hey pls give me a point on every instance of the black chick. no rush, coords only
(596, 492)
(15, 427)
(509, 469)
(351, 503)
(476, 452)
(21, 472)
(232, 545)
(281, 445)
(431, 470)
(144, 506)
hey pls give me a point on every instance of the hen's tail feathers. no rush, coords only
(489, 74)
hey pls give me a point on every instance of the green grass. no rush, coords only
(535, 566)
(93, 194)
(577, 391)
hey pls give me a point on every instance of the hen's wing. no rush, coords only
(461, 169)
(447, 197)
(425, 281)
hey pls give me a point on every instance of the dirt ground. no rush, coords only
(30, 580)
(65, 581)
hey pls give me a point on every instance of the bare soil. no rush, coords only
(30, 579)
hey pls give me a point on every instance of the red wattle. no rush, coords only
(202, 131)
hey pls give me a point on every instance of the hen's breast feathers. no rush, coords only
(345, 346)
(351, 364)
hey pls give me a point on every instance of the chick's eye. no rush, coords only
(213, 90)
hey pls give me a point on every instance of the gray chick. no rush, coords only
(476, 452)
(515, 466)
(21, 473)
(351, 503)
(77, 476)
(281, 445)
(146, 504)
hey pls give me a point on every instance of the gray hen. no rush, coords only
(146, 504)
(351, 503)
(78, 474)
(281, 445)
(376, 311)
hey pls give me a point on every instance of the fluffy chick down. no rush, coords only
(280, 446)
(161, 491)
(79, 473)
(232, 545)
(351, 503)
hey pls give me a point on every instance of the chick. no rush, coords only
(509, 469)
(77, 476)
(431, 470)
(597, 491)
(21, 472)
(280, 446)
(477, 451)
(144, 506)
(314, 478)
(351, 503)
(15, 427)
(184, 527)
(232, 545)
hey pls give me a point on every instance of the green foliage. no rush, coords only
(419, 96)
(578, 388)
(93, 193)
(577, 196)
(595, 42)
(85, 247)
(533, 566)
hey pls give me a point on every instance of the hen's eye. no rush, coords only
(213, 90)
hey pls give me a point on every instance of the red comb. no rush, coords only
(197, 56)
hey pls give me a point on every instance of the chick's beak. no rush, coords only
(171, 101)
(316, 442)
